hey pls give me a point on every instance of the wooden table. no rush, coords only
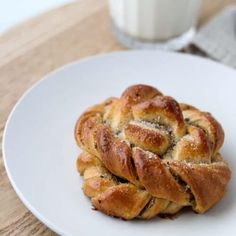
(34, 48)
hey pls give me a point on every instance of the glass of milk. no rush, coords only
(149, 24)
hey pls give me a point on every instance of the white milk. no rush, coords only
(154, 20)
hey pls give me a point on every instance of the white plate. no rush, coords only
(40, 152)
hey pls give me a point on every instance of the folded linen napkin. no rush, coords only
(217, 39)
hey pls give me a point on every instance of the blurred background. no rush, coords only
(180, 25)
(13, 12)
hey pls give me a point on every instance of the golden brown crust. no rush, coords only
(154, 207)
(205, 121)
(85, 131)
(206, 181)
(147, 138)
(122, 107)
(148, 155)
(193, 147)
(95, 185)
(84, 161)
(115, 154)
(157, 179)
(132, 200)
(184, 107)
(163, 110)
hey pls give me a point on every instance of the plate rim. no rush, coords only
(55, 228)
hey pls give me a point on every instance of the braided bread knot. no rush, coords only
(145, 154)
